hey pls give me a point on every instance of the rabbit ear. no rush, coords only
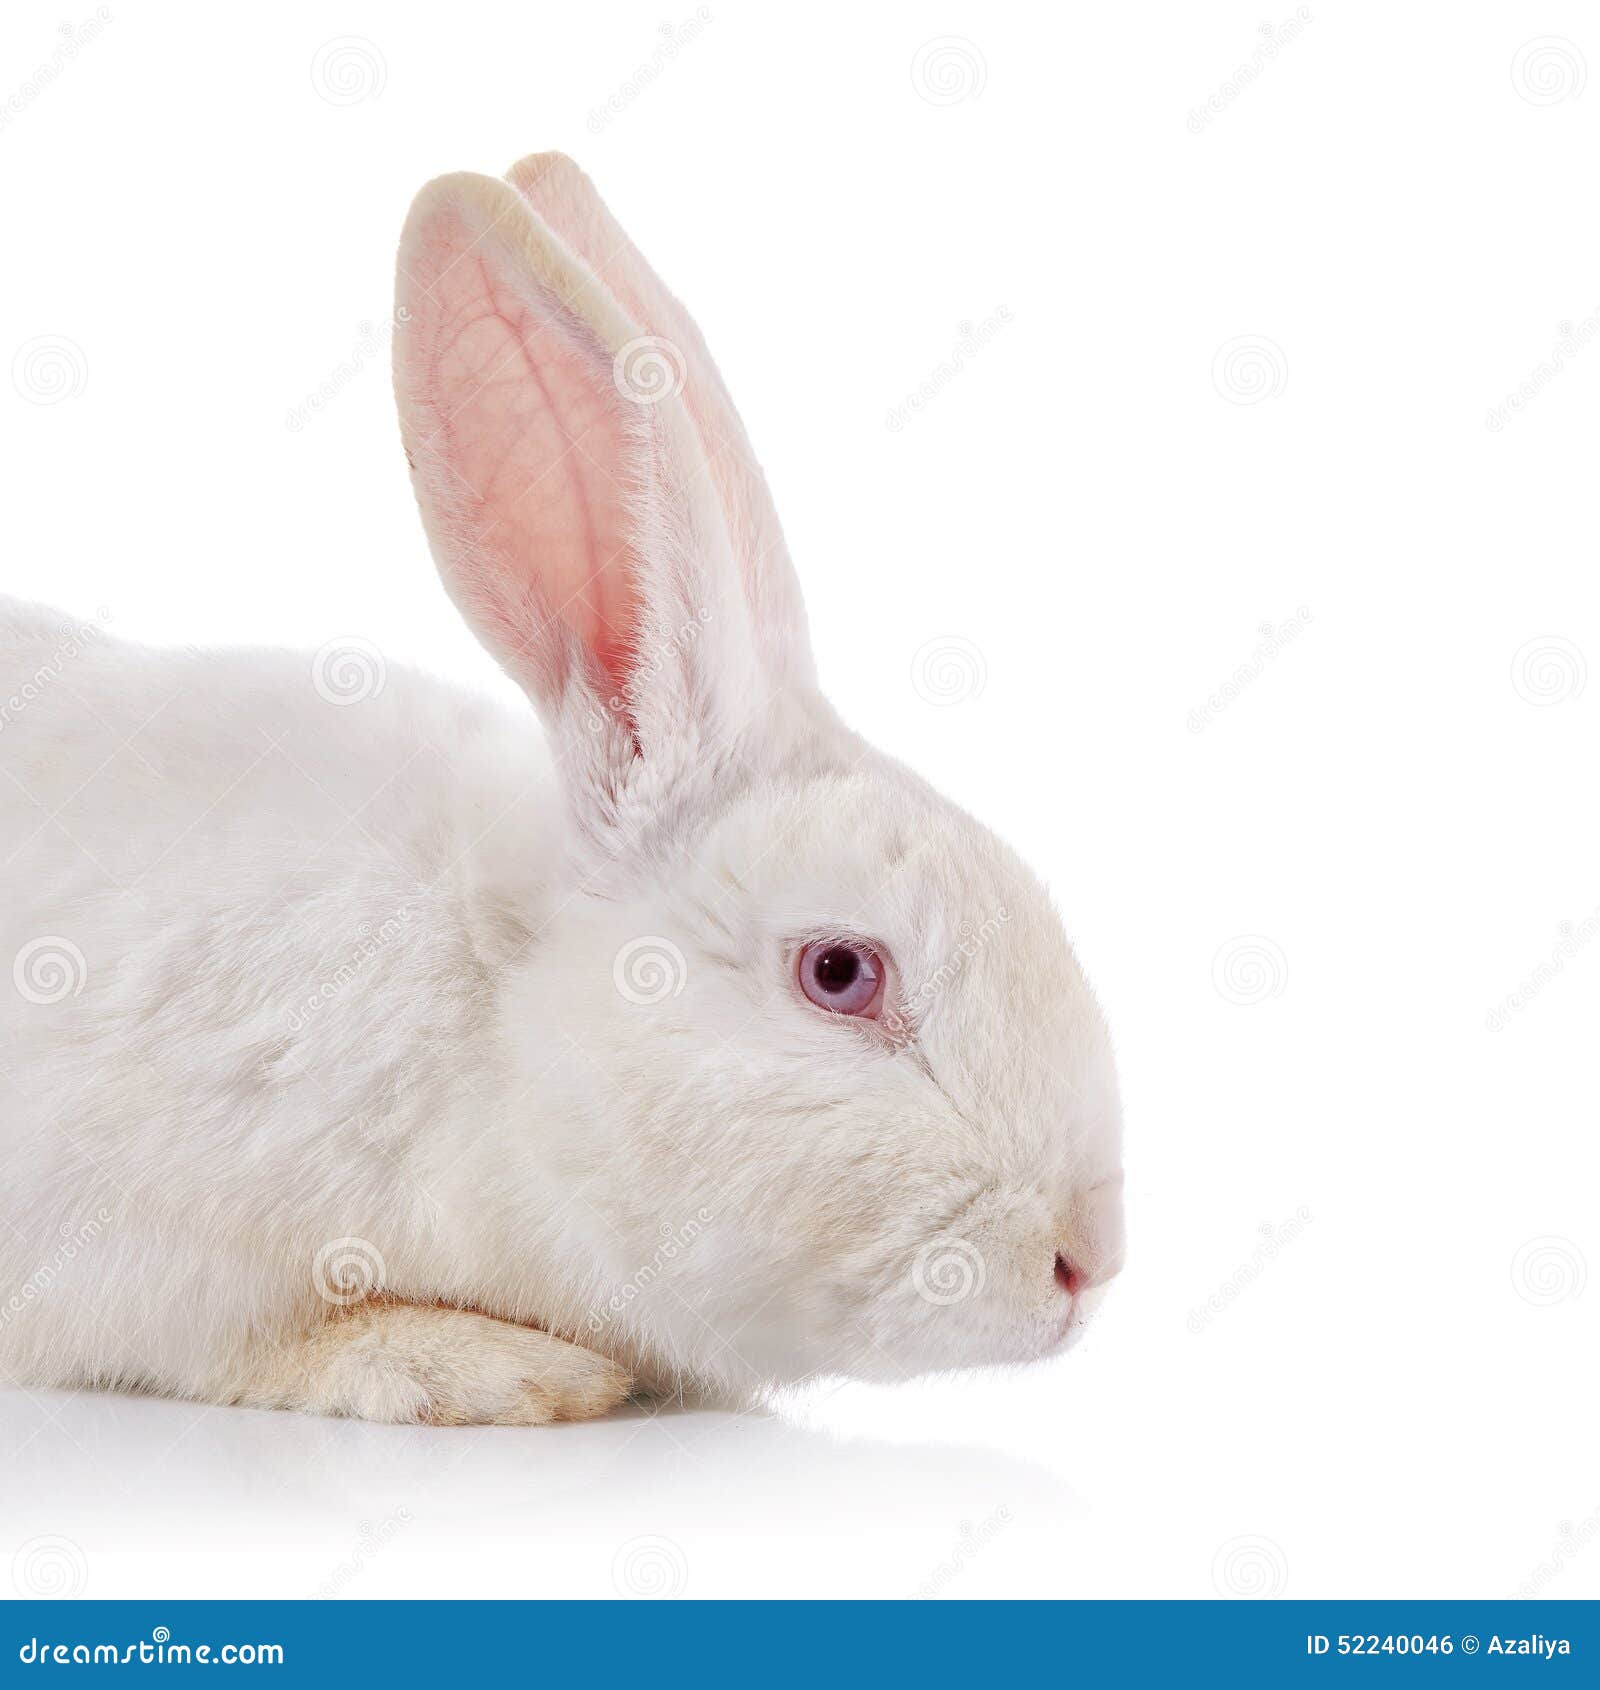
(565, 492)
(566, 199)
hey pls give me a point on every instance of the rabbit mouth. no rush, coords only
(1066, 1334)
(1068, 1330)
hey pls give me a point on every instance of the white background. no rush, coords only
(1300, 909)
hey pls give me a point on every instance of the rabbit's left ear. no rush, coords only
(568, 497)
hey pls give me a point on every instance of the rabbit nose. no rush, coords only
(1092, 1224)
(1074, 1277)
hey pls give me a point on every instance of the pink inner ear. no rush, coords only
(565, 199)
(518, 410)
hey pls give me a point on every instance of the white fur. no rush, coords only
(365, 973)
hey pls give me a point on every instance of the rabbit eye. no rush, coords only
(843, 976)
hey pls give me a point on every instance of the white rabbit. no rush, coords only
(367, 1052)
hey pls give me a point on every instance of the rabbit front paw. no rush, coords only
(404, 1364)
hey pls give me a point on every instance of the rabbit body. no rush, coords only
(253, 1020)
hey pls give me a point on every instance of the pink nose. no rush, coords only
(1068, 1277)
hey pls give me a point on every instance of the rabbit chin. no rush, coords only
(997, 1327)
(774, 1356)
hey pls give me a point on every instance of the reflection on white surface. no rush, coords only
(165, 1496)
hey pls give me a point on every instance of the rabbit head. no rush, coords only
(819, 1084)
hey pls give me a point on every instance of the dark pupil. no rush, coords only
(836, 969)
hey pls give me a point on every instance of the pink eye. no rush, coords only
(843, 976)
